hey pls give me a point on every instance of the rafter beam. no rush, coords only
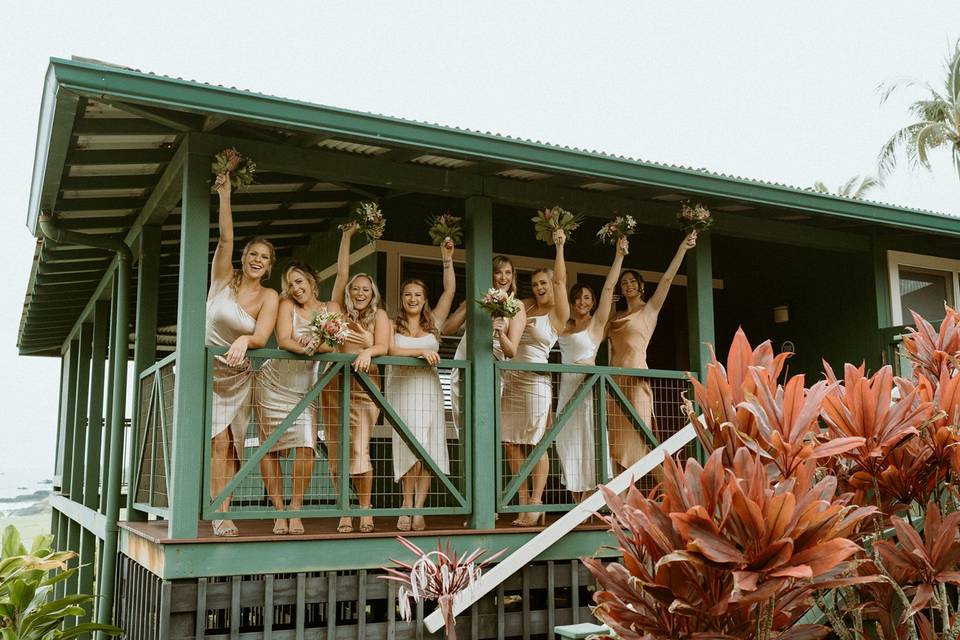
(177, 121)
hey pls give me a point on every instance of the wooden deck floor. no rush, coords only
(326, 528)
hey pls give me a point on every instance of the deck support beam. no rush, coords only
(700, 304)
(479, 234)
(185, 483)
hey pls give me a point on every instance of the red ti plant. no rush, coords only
(932, 352)
(724, 552)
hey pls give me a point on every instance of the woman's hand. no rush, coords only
(499, 324)
(623, 246)
(237, 352)
(359, 335)
(691, 240)
(349, 229)
(446, 250)
(362, 361)
(310, 344)
(222, 184)
(559, 237)
(432, 357)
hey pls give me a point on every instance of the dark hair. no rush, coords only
(579, 287)
(622, 304)
(304, 268)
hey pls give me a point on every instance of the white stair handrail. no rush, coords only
(543, 540)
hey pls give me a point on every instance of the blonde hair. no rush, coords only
(499, 261)
(238, 273)
(427, 321)
(308, 272)
(365, 316)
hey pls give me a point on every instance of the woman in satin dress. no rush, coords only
(240, 315)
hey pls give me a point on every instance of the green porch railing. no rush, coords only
(337, 392)
(596, 406)
(153, 438)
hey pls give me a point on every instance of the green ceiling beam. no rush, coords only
(120, 127)
(177, 121)
(99, 204)
(81, 183)
(118, 156)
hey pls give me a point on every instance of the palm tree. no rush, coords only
(937, 122)
(851, 188)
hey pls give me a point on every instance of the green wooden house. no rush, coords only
(123, 211)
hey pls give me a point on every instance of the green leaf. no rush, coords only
(87, 627)
(12, 546)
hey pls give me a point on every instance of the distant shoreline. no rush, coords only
(36, 496)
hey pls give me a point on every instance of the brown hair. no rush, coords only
(427, 322)
(308, 271)
(501, 260)
(238, 273)
(579, 287)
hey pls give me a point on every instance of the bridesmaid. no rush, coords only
(241, 313)
(506, 331)
(578, 345)
(528, 395)
(281, 385)
(369, 337)
(415, 392)
(629, 333)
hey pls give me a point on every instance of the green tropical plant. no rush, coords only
(937, 121)
(856, 187)
(28, 610)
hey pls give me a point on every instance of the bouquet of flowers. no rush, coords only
(621, 227)
(549, 220)
(330, 327)
(500, 304)
(369, 219)
(240, 167)
(446, 226)
(694, 217)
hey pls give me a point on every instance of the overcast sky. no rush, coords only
(780, 91)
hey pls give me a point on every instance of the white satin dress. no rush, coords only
(456, 392)
(281, 384)
(527, 395)
(232, 386)
(417, 397)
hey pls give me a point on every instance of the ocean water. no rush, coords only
(19, 484)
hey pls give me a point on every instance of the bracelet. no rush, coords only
(448, 263)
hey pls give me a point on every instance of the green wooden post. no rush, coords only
(145, 347)
(479, 233)
(108, 418)
(883, 301)
(700, 304)
(188, 405)
(82, 395)
(69, 418)
(61, 419)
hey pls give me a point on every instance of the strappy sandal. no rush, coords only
(280, 527)
(403, 523)
(225, 529)
(296, 527)
(345, 525)
(366, 522)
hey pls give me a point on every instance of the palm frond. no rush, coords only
(886, 89)
(867, 184)
(953, 74)
(904, 139)
(936, 109)
(821, 187)
(930, 137)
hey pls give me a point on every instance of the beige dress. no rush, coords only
(415, 394)
(232, 386)
(456, 392)
(527, 395)
(281, 384)
(629, 336)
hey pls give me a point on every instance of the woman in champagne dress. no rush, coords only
(282, 384)
(506, 331)
(369, 337)
(415, 392)
(576, 443)
(629, 333)
(528, 395)
(240, 315)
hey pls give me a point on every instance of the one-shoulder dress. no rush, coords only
(415, 394)
(226, 321)
(527, 395)
(576, 442)
(281, 384)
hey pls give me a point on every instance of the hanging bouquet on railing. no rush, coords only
(446, 226)
(620, 227)
(369, 220)
(549, 220)
(500, 304)
(330, 327)
(240, 167)
(694, 217)
(436, 576)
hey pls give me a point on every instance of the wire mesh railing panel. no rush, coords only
(154, 435)
(284, 429)
(564, 429)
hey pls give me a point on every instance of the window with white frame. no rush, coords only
(921, 283)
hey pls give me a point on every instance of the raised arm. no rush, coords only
(663, 287)
(221, 270)
(560, 312)
(605, 304)
(343, 267)
(455, 320)
(442, 310)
